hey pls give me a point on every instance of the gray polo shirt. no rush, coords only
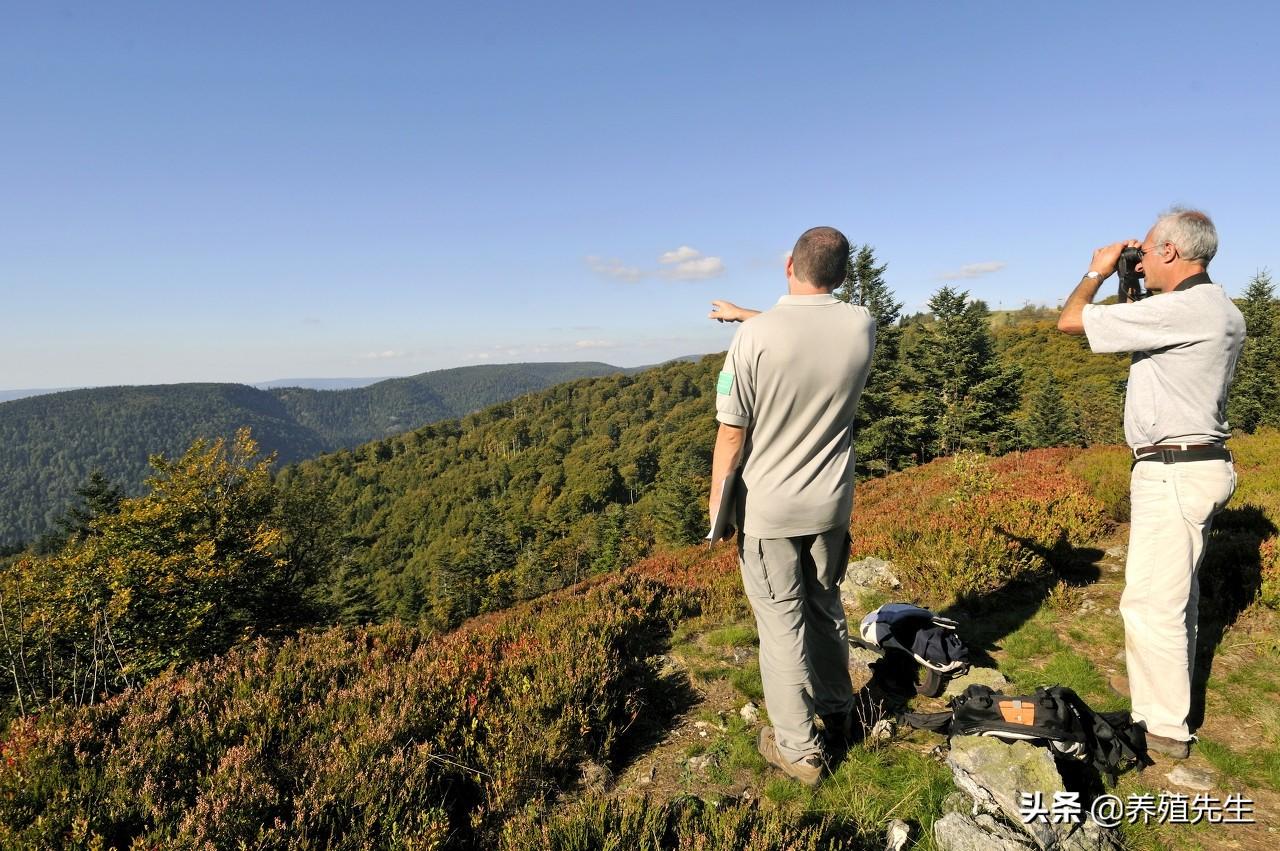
(1185, 344)
(792, 379)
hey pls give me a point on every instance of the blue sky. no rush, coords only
(248, 191)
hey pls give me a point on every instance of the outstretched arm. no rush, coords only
(727, 311)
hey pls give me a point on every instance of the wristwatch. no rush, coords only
(1093, 276)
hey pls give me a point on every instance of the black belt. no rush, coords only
(1173, 456)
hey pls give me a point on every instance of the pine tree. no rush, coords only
(98, 498)
(1050, 422)
(1254, 392)
(961, 398)
(680, 512)
(879, 427)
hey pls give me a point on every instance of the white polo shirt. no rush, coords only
(792, 379)
(1185, 344)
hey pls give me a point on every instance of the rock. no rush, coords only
(1192, 778)
(995, 774)
(703, 726)
(976, 676)
(959, 832)
(646, 777)
(864, 655)
(882, 730)
(958, 802)
(868, 573)
(750, 713)
(1118, 552)
(667, 666)
(701, 763)
(897, 835)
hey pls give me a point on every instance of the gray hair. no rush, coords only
(1191, 230)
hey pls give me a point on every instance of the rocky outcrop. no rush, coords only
(995, 775)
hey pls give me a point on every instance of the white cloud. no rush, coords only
(384, 355)
(680, 255)
(613, 268)
(973, 270)
(696, 270)
(685, 263)
(594, 344)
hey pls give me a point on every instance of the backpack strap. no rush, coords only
(1112, 741)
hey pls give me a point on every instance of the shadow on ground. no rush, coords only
(1230, 578)
(668, 695)
(986, 619)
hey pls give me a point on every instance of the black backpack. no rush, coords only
(1055, 717)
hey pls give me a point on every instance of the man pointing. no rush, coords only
(786, 402)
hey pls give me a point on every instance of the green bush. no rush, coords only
(195, 565)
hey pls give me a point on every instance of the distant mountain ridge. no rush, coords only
(49, 444)
(321, 383)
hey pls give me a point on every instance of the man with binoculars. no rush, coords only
(1185, 335)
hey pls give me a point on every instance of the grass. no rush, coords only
(747, 681)
(734, 635)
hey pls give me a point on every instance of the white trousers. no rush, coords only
(1172, 510)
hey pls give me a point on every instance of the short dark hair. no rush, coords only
(821, 257)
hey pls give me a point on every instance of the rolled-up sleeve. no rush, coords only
(1139, 326)
(735, 386)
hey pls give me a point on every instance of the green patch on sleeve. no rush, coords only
(724, 384)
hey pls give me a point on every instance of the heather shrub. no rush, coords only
(383, 737)
(1105, 472)
(971, 525)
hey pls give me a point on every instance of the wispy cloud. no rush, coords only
(685, 263)
(613, 268)
(595, 344)
(386, 355)
(973, 270)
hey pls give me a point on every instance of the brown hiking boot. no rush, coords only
(1119, 685)
(1174, 748)
(808, 771)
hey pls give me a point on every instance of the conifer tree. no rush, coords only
(679, 512)
(98, 498)
(961, 398)
(1254, 392)
(1050, 422)
(879, 427)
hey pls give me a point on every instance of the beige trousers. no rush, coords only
(793, 585)
(1172, 510)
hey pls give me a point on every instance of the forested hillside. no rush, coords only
(50, 444)
(530, 495)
